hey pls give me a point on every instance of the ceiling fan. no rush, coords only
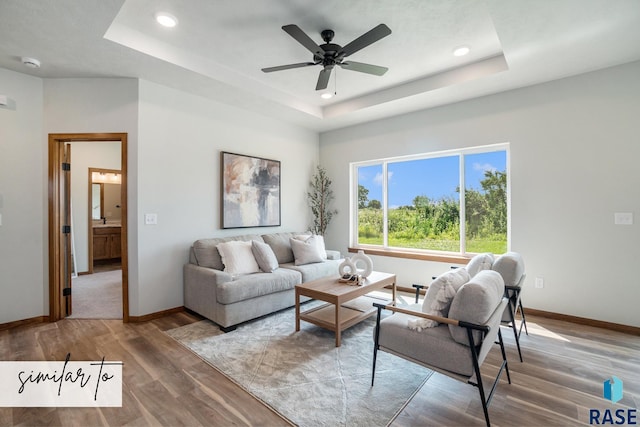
(328, 55)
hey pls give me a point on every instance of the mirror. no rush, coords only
(105, 195)
(97, 201)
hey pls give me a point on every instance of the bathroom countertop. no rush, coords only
(108, 224)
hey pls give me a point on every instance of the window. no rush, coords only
(454, 201)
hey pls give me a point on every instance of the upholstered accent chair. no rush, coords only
(476, 264)
(455, 343)
(511, 267)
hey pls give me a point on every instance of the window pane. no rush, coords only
(370, 205)
(486, 202)
(424, 204)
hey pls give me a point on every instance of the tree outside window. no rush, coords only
(425, 209)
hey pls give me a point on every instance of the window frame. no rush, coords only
(429, 253)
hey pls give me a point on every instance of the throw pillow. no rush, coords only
(238, 258)
(307, 251)
(318, 239)
(439, 296)
(264, 256)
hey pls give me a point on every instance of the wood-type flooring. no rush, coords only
(560, 380)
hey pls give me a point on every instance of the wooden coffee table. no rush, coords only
(347, 304)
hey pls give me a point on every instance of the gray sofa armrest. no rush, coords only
(200, 289)
(333, 254)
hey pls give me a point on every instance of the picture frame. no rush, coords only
(250, 191)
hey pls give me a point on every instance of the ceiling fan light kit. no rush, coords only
(329, 54)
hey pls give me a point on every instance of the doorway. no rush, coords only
(60, 285)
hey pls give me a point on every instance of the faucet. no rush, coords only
(104, 219)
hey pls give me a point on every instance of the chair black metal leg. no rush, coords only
(376, 346)
(512, 314)
(524, 319)
(476, 367)
(418, 287)
(516, 335)
(504, 356)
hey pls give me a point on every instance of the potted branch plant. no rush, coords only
(320, 197)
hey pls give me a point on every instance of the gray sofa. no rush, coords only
(227, 300)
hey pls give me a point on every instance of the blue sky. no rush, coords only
(434, 178)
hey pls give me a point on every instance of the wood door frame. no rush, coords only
(55, 221)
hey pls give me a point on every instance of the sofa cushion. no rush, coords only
(264, 256)
(281, 246)
(307, 251)
(238, 258)
(447, 353)
(206, 252)
(257, 285)
(316, 270)
(475, 302)
(478, 263)
(439, 297)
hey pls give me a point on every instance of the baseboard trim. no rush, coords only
(23, 322)
(633, 330)
(156, 315)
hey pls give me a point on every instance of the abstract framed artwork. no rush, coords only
(250, 191)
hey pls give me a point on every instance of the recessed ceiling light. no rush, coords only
(461, 51)
(30, 62)
(166, 19)
(326, 95)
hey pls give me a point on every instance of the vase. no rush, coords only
(363, 263)
(347, 267)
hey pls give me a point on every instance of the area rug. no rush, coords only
(302, 375)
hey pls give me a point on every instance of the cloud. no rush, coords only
(484, 167)
(379, 177)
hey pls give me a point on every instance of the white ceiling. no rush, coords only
(219, 48)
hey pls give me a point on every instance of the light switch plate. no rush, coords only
(151, 219)
(623, 218)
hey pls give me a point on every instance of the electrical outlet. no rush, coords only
(539, 283)
(151, 219)
(623, 218)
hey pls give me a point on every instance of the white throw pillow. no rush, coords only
(264, 256)
(439, 295)
(238, 258)
(318, 239)
(307, 251)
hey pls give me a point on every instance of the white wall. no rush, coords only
(95, 106)
(85, 155)
(177, 158)
(574, 162)
(23, 165)
(180, 140)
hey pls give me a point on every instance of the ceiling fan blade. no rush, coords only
(364, 68)
(323, 78)
(288, 67)
(302, 38)
(365, 40)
